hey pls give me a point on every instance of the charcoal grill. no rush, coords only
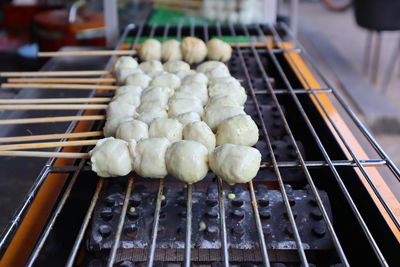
(319, 199)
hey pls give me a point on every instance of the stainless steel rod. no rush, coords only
(121, 221)
(188, 236)
(224, 235)
(299, 244)
(82, 230)
(155, 224)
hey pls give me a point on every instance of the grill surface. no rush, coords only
(309, 204)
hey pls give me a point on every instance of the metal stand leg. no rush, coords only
(377, 55)
(367, 53)
(391, 66)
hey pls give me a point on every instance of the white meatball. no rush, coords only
(195, 78)
(132, 129)
(171, 50)
(177, 106)
(130, 89)
(148, 116)
(225, 89)
(150, 50)
(154, 73)
(238, 130)
(125, 62)
(182, 74)
(112, 124)
(200, 132)
(196, 89)
(149, 157)
(187, 161)
(110, 157)
(188, 117)
(157, 94)
(151, 65)
(218, 50)
(175, 66)
(209, 65)
(194, 50)
(119, 109)
(183, 95)
(123, 74)
(234, 163)
(214, 116)
(168, 128)
(231, 80)
(138, 79)
(218, 72)
(129, 98)
(149, 105)
(166, 80)
(222, 101)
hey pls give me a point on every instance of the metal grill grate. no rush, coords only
(276, 49)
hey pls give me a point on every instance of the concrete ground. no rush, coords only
(345, 51)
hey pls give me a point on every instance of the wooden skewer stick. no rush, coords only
(52, 119)
(59, 86)
(47, 145)
(43, 154)
(61, 80)
(57, 100)
(88, 53)
(55, 73)
(49, 136)
(54, 107)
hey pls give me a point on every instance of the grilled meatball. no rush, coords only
(110, 157)
(188, 117)
(138, 79)
(194, 50)
(234, 163)
(151, 65)
(238, 93)
(124, 62)
(175, 66)
(150, 50)
(218, 50)
(171, 50)
(209, 65)
(132, 129)
(200, 132)
(198, 90)
(239, 130)
(149, 157)
(187, 161)
(168, 128)
(166, 80)
(215, 115)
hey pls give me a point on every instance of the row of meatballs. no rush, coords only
(223, 101)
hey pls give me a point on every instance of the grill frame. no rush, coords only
(383, 161)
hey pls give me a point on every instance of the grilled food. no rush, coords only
(239, 130)
(194, 50)
(150, 50)
(218, 50)
(168, 128)
(200, 132)
(171, 50)
(175, 66)
(132, 129)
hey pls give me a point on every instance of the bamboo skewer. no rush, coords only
(88, 53)
(43, 154)
(61, 80)
(52, 119)
(59, 86)
(57, 100)
(54, 107)
(47, 145)
(49, 136)
(55, 73)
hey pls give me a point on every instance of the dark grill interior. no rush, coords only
(287, 226)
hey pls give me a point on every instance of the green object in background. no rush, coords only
(162, 16)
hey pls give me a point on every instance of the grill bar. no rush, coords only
(188, 235)
(121, 221)
(360, 167)
(262, 243)
(155, 223)
(224, 237)
(85, 223)
(299, 244)
(310, 181)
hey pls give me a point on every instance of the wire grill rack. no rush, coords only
(279, 45)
